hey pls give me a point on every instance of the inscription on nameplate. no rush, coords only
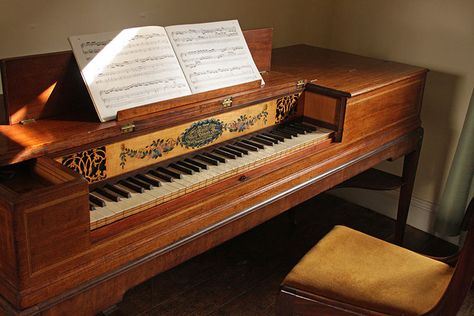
(201, 133)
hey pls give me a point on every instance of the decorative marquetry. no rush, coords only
(100, 163)
(155, 150)
(201, 133)
(152, 148)
(91, 164)
(286, 107)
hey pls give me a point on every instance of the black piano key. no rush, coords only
(118, 190)
(270, 139)
(140, 183)
(94, 199)
(161, 176)
(224, 153)
(239, 149)
(281, 133)
(132, 186)
(296, 129)
(110, 195)
(251, 143)
(262, 141)
(196, 163)
(207, 159)
(215, 157)
(169, 172)
(275, 136)
(246, 146)
(231, 151)
(91, 207)
(307, 127)
(189, 166)
(149, 180)
(181, 168)
(287, 130)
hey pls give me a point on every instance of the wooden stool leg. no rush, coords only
(410, 164)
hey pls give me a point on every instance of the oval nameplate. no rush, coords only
(201, 133)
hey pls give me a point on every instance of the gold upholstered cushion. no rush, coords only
(361, 270)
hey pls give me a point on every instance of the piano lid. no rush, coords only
(341, 73)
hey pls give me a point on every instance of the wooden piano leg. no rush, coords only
(410, 164)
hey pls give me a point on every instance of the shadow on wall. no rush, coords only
(439, 140)
(3, 117)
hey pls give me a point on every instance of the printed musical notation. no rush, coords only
(213, 55)
(135, 67)
(144, 65)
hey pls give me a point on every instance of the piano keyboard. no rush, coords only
(135, 193)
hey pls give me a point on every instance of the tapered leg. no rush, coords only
(410, 164)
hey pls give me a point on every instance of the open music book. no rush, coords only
(143, 65)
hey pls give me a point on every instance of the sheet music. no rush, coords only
(213, 55)
(125, 69)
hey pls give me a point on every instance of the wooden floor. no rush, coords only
(242, 276)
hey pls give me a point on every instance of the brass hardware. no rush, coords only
(127, 128)
(243, 178)
(300, 84)
(27, 121)
(227, 102)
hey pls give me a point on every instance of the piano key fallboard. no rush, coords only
(172, 179)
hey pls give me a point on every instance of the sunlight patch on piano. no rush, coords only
(44, 96)
(22, 113)
(105, 56)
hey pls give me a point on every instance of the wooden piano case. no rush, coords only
(53, 261)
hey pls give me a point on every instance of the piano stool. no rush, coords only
(350, 273)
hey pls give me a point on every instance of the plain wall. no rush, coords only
(31, 27)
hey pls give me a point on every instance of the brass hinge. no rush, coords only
(300, 84)
(227, 102)
(127, 128)
(27, 121)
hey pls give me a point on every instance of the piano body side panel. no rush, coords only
(384, 108)
(326, 111)
(46, 224)
(8, 260)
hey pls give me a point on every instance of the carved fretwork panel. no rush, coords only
(91, 164)
(286, 107)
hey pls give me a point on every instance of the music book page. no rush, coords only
(144, 65)
(130, 68)
(213, 55)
